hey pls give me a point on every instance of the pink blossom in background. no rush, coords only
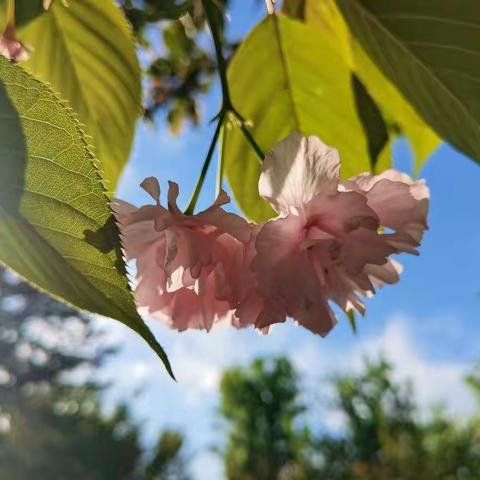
(326, 243)
(10, 47)
(188, 267)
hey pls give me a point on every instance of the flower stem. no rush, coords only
(198, 187)
(221, 64)
(222, 140)
(248, 135)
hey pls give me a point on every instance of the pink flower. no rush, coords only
(188, 267)
(254, 308)
(10, 47)
(327, 243)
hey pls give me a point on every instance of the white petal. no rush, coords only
(297, 169)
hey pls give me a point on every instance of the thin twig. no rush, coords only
(222, 67)
(198, 187)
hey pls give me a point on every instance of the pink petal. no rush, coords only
(399, 202)
(152, 187)
(340, 213)
(361, 247)
(285, 274)
(389, 273)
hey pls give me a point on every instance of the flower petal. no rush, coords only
(152, 187)
(286, 275)
(297, 169)
(400, 202)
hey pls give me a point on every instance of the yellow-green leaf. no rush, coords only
(398, 112)
(430, 51)
(87, 53)
(288, 76)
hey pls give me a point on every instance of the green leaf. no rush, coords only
(430, 51)
(399, 115)
(3, 15)
(294, 8)
(289, 76)
(56, 227)
(87, 53)
(352, 320)
(372, 121)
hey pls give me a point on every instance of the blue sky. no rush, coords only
(427, 324)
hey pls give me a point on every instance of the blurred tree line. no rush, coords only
(383, 437)
(53, 427)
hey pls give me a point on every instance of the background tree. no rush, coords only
(53, 428)
(385, 439)
(382, 436)
(262, 407)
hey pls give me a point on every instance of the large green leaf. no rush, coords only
(87, 53)
(396, 109)
(431, 51)
(288, 76)
(3, 15)
(56, 228)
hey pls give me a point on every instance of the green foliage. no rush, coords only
(153, 11)
(429, 51)
(385, 440)
(261, 405)
(176, 78)
(306, 87)
(56, 228)
(167, 462)
(383, 437)
(51, 428)
(400, 116)
(87, 53)
(3, 14)
(62, 434)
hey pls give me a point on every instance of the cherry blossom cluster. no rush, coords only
(331, 242)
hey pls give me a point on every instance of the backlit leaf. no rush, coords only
(87, 53)
(289, 76)
(56, 227)
(398, 113)
(430, 51)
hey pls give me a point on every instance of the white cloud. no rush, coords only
(433, 381)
